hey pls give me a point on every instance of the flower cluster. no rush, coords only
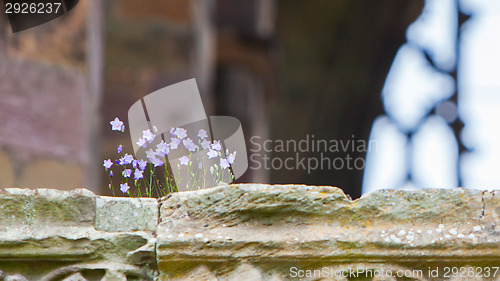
(182, 149)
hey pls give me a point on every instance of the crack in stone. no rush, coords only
(483, 210)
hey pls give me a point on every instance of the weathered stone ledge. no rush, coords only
(46, 234)
(242, 232)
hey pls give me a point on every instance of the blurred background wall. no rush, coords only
(49, 101)
(286, 69)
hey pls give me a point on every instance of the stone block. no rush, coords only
(126, 214)
(274, 228)
(46, 207)
(48, 235)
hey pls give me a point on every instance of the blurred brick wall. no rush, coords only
(46, 101)
(148, 47)
(152, 46)
(54, 129)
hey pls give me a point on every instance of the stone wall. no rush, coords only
(250, 232)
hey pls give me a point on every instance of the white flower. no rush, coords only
(224, 163)
(205, 144)
(216, 145)
(202, 134)
(184, 160)
(188, 143)
(180, 133)
(212, 153)
(174, 144)
(117, 125)
(148, 136)
(141, 143)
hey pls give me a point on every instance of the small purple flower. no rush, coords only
(148, 136)
(117, 125)
(127, 172)
(202, 134)
(142, 143)
(172, 132)
(120, 148)
(224, 163)
(205, 144)
(188, 143)
(174, 144)
(184, 160)
(117, 162)
(134, 163)
(124, 187)
(127, 159)
(216, 145)
(231, 157)
(162, 149)
(107, 163)
(212, 153)
(180, 133)
(122, 161)
(150, 154)
(111, 173)
(137, 174)
(142, 164)
(157, 162)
